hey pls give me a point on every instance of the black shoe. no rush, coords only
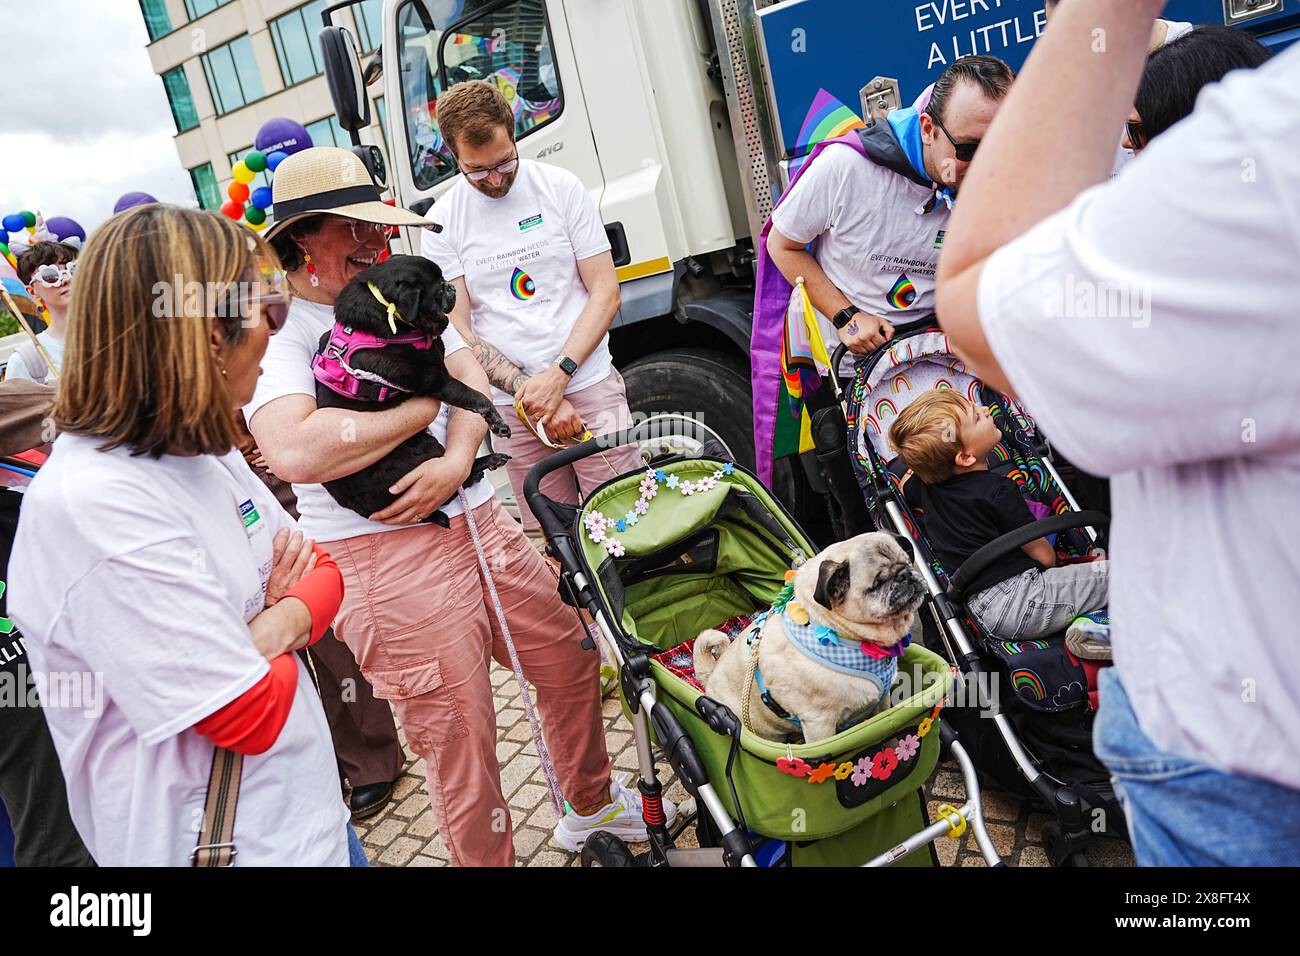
(368, 800)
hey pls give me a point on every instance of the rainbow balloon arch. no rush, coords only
(277, 140)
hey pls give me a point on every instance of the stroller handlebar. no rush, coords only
(1009, 542)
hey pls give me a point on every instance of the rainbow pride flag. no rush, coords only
(803, 356)
(827, 118)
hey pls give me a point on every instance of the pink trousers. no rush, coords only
(603, 407)
(418, 618)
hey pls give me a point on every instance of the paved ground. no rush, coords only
(404, 834)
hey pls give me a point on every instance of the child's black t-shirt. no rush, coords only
(968, 511)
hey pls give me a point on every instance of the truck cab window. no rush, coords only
(509, 46)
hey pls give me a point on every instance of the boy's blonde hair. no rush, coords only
(927, 435)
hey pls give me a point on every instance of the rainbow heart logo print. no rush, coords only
(522, 286)
(903, 294)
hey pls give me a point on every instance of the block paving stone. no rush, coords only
(405, 834)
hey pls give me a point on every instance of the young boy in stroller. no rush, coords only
(944, 440)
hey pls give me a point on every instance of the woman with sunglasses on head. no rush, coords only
(46, 269)
(152, 565)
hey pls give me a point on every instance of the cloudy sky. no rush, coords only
(84, 117)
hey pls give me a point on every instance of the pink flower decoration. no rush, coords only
(648, 486)
(597, 535)
(688, 488)
(907, 747)
(614, 547)
(861, 772)
(642, 506)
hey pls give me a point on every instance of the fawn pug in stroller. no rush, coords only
(826, 654)
(656, 558)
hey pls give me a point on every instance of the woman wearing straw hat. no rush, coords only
(418, 614)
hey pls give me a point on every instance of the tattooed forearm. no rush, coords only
(501, 372)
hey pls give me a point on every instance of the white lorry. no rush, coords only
(681, 117)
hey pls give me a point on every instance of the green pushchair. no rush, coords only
(659, 555)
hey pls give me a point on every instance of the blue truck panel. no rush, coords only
(820, 53)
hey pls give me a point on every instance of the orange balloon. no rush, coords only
(238, 192)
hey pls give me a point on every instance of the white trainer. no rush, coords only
(622, 817)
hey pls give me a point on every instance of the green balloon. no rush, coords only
(254, 215)
(256, 161)
(29, 218)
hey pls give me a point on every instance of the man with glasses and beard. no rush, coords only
(536, 292)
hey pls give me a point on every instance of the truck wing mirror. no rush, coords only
(346, 82)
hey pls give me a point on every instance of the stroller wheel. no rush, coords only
(1061, 851)
(605, 849)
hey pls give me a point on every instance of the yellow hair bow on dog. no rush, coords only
(393, 314)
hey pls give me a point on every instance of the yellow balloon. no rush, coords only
(257, 226)
(242, 173)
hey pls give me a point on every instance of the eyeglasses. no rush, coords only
(368, 232)
(53, 276)
(965, 152)
(503, 169)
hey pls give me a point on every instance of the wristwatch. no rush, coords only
(567, 365)
(844, 316)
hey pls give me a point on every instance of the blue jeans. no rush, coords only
(1185, 813)
(356, 855)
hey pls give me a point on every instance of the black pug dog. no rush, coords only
(415, 285)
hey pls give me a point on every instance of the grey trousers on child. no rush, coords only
(1040, 601)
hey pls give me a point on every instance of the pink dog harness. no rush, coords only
(333, 366)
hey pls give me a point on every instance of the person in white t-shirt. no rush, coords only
(1182, 389)
(160, 587)
(417, 615)
(46, 269)
(864, 226)
(536, 292)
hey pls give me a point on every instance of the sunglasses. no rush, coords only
(275, 308)
(503, 169)
(1136, 135)
(965, 152)
(52, 276)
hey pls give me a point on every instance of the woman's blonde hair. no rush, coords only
(139, 369)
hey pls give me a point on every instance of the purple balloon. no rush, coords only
(282, 135)
(61, 227)
(132, 199)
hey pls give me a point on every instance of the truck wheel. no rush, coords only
(714, 389)
(709, 387)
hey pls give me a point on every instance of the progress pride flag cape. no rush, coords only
(876, 143)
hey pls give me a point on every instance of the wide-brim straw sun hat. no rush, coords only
(326, 179)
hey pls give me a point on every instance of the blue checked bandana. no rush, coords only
(826, 647)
